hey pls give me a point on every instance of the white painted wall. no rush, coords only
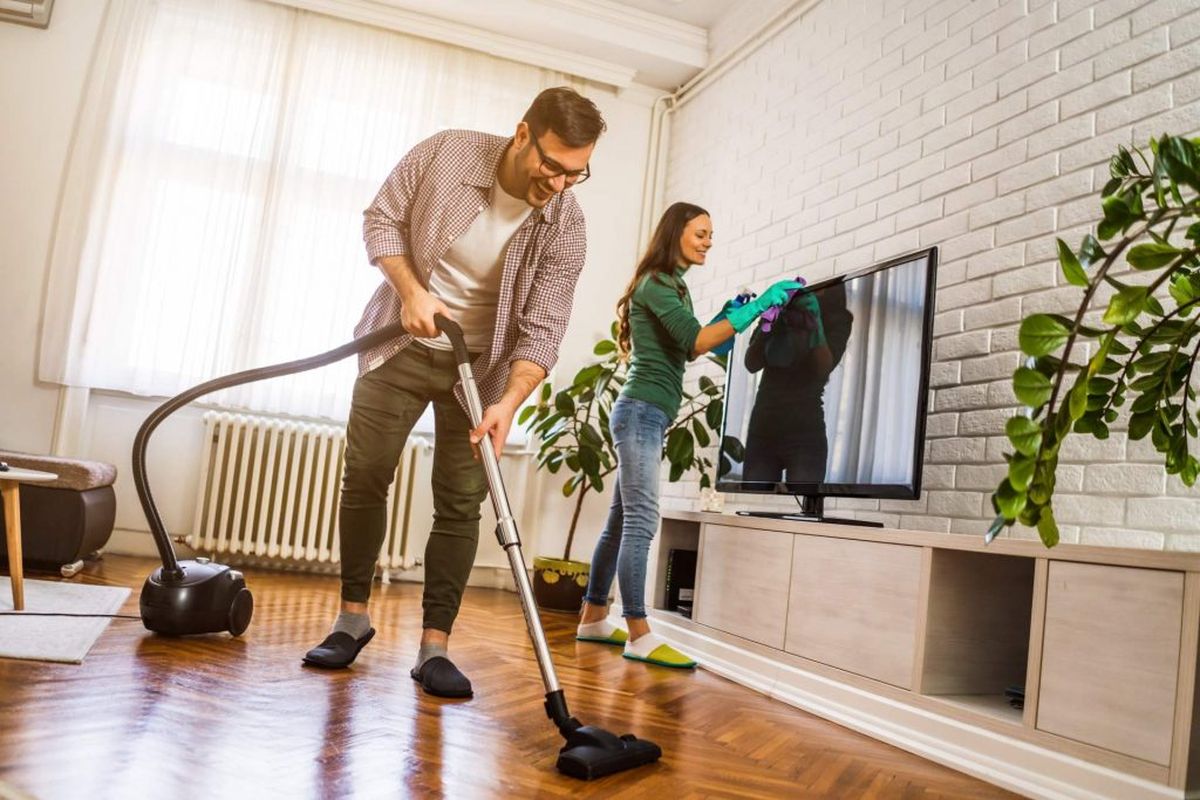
(40, 89)
(40, 101)
(874, 127)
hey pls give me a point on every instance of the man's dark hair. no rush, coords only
(573, 117)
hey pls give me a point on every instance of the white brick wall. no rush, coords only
(873, 127)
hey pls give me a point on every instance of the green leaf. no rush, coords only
(1047, 528)
(1009, 501)
(589, 461)
(706, 383)
(1107, 229)
(526, 413)
(589, 436)
(1190, 471)
(1125, 305)
(587, 376)
(1077, 399)
(1151, 255)
(1041, 334)
(604, 347)
(1020, 472)
(734, 448)
(564, 403)
(1184, 289)
(1031, 387)
(680, 446)
(1141, 424)
(1024, 433)
(712, 414)
(1152, 362)
(1176, 154)
(702, 437)
(1072, 269)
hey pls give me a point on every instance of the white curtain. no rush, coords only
(871, 400)
(211, 219)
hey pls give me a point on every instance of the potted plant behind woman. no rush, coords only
(571, 427)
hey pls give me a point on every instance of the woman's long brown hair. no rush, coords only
(661, 258)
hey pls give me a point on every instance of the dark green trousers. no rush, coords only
(387, 403)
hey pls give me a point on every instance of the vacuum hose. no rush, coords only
(171, 571)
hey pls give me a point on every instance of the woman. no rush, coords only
(657, 323)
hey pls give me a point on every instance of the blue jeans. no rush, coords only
(637, 429)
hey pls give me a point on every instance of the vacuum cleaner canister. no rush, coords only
(209, 598)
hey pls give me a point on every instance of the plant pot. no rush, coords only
(559, 585)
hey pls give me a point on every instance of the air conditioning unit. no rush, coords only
(26, 12)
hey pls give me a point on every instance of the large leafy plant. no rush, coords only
(571, 427)
(1142, 350)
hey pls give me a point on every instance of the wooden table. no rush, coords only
(10, 480)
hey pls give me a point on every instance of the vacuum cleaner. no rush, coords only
(198, 596)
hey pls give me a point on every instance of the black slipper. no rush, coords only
(439, 677)
(338, 650)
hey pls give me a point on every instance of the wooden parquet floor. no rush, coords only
(217, 717)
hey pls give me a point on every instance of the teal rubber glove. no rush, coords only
(775, 295)
(725, 347)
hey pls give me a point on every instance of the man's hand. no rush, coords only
(497, 420)
(417, 305)
(417, 314)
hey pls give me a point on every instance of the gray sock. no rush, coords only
(428, 651)
(356, 625)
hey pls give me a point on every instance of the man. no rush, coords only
(482, 229)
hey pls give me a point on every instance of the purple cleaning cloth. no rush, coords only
(771, 314)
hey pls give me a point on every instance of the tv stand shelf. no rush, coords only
(915, 638)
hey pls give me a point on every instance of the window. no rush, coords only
(236, 147)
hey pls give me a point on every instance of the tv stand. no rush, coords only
(916, 638)
(812, 509)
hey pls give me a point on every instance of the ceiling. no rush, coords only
(657, 43)
(702, 13)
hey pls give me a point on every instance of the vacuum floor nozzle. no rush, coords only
(592, 752)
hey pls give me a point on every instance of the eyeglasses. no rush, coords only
(552, 169)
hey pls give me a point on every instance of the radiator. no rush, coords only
(268, 492)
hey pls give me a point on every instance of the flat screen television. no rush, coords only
(843, 417)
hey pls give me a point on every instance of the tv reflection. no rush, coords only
(785, 439)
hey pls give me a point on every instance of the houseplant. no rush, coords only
(571, 428)
(1143, 344)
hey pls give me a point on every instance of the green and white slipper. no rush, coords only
(601, 633)
(652, 650)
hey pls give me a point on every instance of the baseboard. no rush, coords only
(141, 543)
(1001, 760)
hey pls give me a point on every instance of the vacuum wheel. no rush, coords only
(240, 612)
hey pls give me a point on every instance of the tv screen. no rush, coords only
(842, 416)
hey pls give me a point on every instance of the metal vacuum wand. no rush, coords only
(589, 752)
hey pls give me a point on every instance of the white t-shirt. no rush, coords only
(467, 279)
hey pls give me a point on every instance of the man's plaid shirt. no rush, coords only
(430, 199)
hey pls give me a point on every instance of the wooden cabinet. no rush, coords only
(1110, 657)
(853, 605)
(745, 574)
